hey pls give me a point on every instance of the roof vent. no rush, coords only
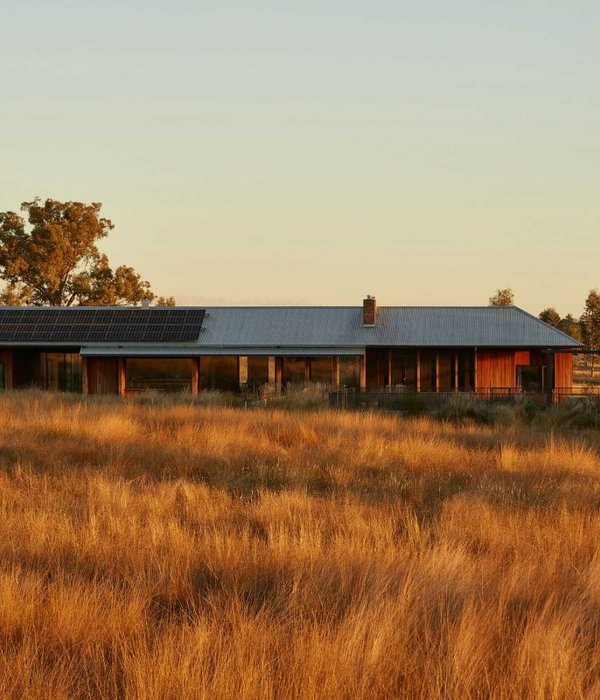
(369, 310)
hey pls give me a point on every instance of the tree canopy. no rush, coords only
(590, 324)
(502, 297)
(571, 326)
(55, 260)
(550, 316)
(590, 320)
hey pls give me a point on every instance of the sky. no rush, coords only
(279, 152)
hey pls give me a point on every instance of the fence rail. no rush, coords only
(393, 398)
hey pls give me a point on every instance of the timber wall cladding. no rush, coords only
(530, 357)
(103, 375)
(563, 370)
(523, 357)
(495, 368)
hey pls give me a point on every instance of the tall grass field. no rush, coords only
(168, 550)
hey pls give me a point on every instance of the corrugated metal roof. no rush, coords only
(197, 351)
(400, 326)
(139, 351)
(310, 330)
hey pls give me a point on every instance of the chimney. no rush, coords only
(369, 310)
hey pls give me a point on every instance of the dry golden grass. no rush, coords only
(174, 551)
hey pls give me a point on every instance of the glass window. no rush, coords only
(61, 371)
(466, 370)
(158, 374)
(446, 370)
(2, 384)
(294, 370)
(427, 361)
(529, 377)
(378, 365)
(350, 372)
(220, 373)
(27, 369)
(404, 368)
(321, 370)
(258, 371)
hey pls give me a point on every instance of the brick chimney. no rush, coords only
(369, 310)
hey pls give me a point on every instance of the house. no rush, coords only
(123, 350)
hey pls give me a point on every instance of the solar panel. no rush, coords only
(89, 325)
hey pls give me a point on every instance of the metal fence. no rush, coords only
(394, 399)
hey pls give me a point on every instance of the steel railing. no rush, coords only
(396, 398)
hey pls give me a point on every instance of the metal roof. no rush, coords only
(200, 351)
(399, 326)
(275, 330)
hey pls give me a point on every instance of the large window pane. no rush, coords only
(321, 370)
(26, 367)
(404, 369)
(220, 373)
(529, 377)
(427, 370)
(60, 371)
(378, 365)
(258, 371)
(350, 372)
(466, 370)
(158, 374)
(294, 370)
(446, 370)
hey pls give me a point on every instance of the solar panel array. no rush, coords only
(100, 325)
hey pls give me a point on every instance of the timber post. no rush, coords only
(85, 384)
(122, 376)
(549, 377)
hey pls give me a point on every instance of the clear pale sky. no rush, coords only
(311, 152)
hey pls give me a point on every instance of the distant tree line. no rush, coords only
(585, 329)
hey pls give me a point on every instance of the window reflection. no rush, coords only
(350, 372)
(428, 374)
(294, 370)
(321, 370)
(220, 373)
(158, 374)
(404, 368)
(529, 377)
(258, 371)
(61, 371)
